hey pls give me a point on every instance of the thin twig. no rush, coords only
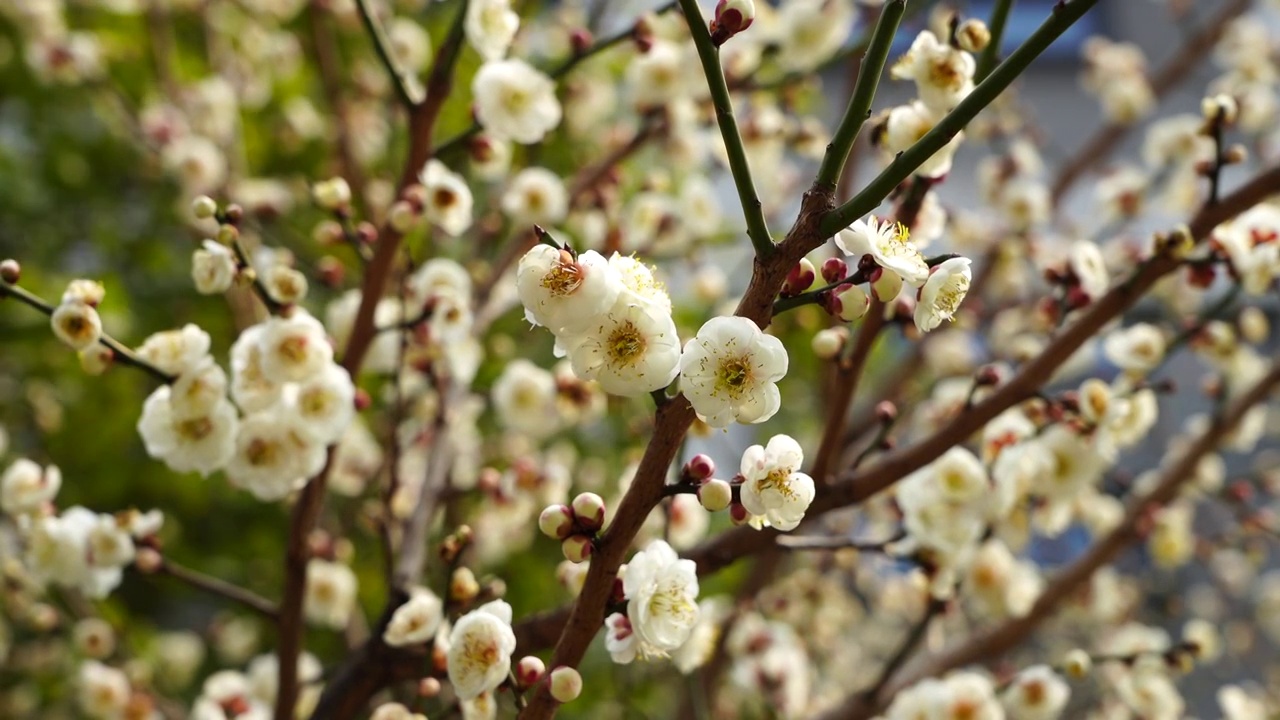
(407, 88)
(739, 167)
(219, 587)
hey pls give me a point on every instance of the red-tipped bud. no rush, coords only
(886, 411)
(1201, 276)
(886, 285)
(362, 400)
(588, 510)
(799, 279)
(987, 375)
(848, 302)
(576, 548)
(738, 514)
(580, 40)
(834, 270)
(529, 671)
(715, 494)
(700, 467)
(732, 17)
(556, 522)
(10, 271)
(330, 271)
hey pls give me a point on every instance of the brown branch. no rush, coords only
(998, 640)
(727, 547)
(1178, 68)
(219, 587)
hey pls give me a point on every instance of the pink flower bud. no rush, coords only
(580, 40)
(849, 302)
(576, 548)
(732, 17)
(530, 670)
(799, 279)
(834, 270)
(588, 509)
(556, 521)
(10, 271)
(738, 514)
(886, 286)
(715, 494)
(700, 467)
(886, 411)
(565, 684)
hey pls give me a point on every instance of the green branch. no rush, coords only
(407, 88)
(991, 54)
(864, 91)
(709, 56)
(120, 353)
(1063, 16)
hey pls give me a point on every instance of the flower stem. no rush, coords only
(864, 92)
(408, 90)
(121, 354)
(709, 56)
(1064, 15)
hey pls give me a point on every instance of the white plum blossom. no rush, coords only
(79, 549)
(536, 196)
(1136, 349)
(330, 593)
(200, 441)
(176, 351)
(524, 396)
(773, 486)
(630, 350)
(213, 268)
(447, 199)
(942, 293)
(513, 101)
(1037, 693)
(293, 348)
(662, 598)
(943, 74)
(480, 648)
(639, 283)
(76, 324)
(906, 124)
(416, 621)
(620, 639)
(730, 370)
(810, 31)
(564, 293)
(25, 486)
(198, 390)
(103, 692)
(324, 404)
(490, 27)
(272, 457)
(889, 244)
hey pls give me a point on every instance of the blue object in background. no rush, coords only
(1026, 16)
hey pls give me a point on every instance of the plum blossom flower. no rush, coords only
(943, 74)
(942, 293)
(416, 621)
(480, 648)
(889, 244)
(630, 350)
(447, 199)
(662, 598)
(200, 441)
(730, 370)
(103, 692)
(490, 27)
(25, 486)
(524, 396)
(324, 404)
(1037, 693)
(330, 593)
(272, 456)
(514, 101)
(176, 351)
(620, 639)
(293, 348)
(536, 196)
(1136, 349)
(773, 486)
(566, 294)
(76, 324)
(213, 268)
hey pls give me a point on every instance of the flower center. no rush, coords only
(196, 428)
(626, 344)
(734, 375)
(294, 349)
(261, 452)
(951, 295)
(671, 601)
(780, 482)
(563, 279)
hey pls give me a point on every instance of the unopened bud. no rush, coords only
(732, 17)
(233, 214)
(332, 194)
(367, 233)
(834, 270)
(228, 234)
(738, 514)
(556, 521)
(96, 359)
(565, 684)
(529, 671)
(148, 560)
(886, 411)
(828, 343)
(10, 271)
(987, 375)
(700, 467)
(204, 207)
(973, 35)
(1077, 664)
(576, 548)
(588, 510)
(428, 687)
(849, 302)
(580, 40)
(1254, 325)
(402, 216)
(1235, 154)
(330, 271)
(799, 279)
(1220, 106)
(886, 286)
(463, 586)
(715, 494)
